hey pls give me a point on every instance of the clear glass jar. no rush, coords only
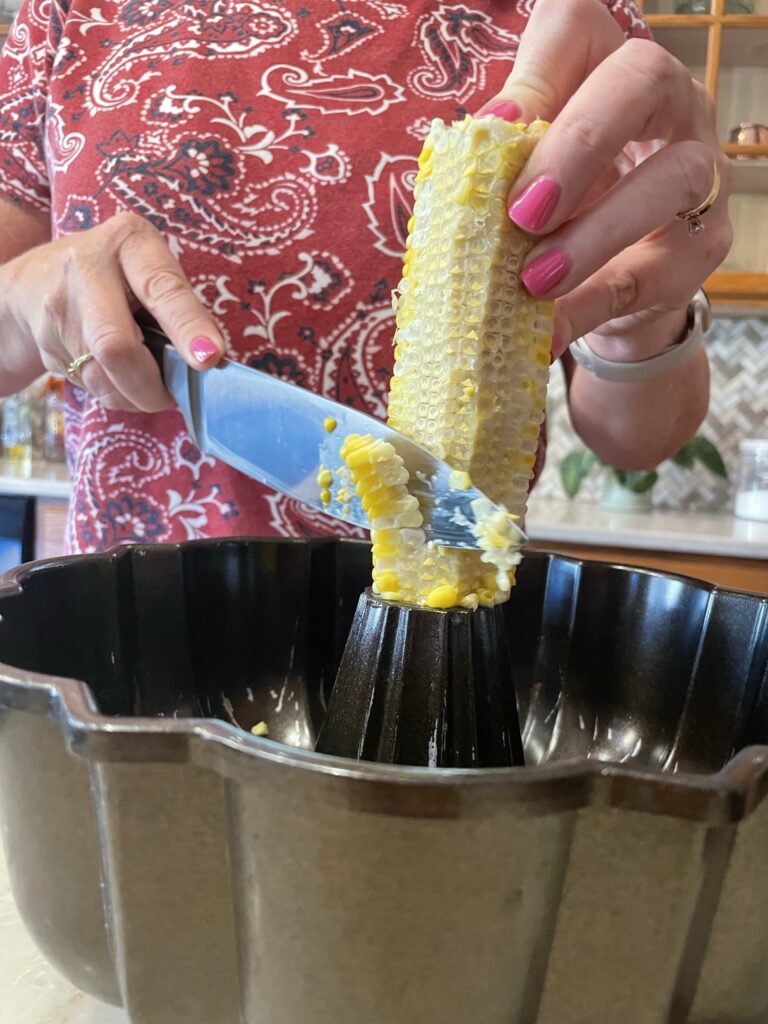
(752, 485)
(17, 433)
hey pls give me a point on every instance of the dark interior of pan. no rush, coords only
(610, 663)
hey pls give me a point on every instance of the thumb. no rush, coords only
(564, 41)
(520, 103)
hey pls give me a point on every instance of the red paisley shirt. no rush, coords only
(274, 145)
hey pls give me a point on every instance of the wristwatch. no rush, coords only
(699, 320)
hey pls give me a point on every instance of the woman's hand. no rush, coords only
(633, 142)
(77, 295)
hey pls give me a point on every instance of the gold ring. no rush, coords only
(75, 368)
(693, 217)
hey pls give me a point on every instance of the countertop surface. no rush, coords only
(43, 479)
(714, 533)
(549, 519)
(32, 992)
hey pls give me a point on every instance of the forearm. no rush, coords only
(21, 229)
(640, 424)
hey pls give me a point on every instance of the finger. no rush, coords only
(124, 368)
(95, 381)
(58, 356)
(562, 43)
(162, 288)
(116, 403)
(678, 177)
(639, 92)
(662, 271)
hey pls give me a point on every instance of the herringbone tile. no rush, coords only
(738, 354)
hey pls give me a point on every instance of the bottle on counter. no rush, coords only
(752, 486)
(17, 434)
(53, 421)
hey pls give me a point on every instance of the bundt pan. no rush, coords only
(169, 861)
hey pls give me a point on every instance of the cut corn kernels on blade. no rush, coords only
(472, 354)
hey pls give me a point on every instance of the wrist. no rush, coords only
(633, 339)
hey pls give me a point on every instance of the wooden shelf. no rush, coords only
(743, 20)
(729, 289)
(680, 20)
(734, 149)
(706, 20)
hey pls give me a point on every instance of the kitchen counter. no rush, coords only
(44, 480)
(31, 992)
(549, 520)
(711, 534)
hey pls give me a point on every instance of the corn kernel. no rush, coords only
(460, 480)
(445, 596)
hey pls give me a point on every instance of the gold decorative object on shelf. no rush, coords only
(749, 134)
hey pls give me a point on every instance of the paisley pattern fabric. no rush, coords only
(274, 145)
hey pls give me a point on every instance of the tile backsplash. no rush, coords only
(738, 355)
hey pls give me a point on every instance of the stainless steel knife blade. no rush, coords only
(275, 432)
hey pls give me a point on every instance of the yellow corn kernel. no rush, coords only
(445, 596)
(387, 581)
(330, 424)
(324, 477)
(460, 480)
(260, 729)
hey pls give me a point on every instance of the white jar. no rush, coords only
(752, 485)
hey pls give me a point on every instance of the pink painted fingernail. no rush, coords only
(507, 109)
(546, 271)
(535, 206)
(203, 348)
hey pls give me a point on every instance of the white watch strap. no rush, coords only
(644, 369)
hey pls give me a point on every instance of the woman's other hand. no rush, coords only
(77, 295)
(633, 142)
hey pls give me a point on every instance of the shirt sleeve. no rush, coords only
(25, 65)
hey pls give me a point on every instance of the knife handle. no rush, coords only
(154, 339)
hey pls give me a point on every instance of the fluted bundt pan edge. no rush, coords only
(183, 868)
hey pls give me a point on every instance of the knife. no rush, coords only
(275, 432)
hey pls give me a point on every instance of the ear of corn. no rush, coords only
(472, 353)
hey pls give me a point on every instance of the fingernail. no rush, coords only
(203, 348)
(535, 206)
(546, 271)
(507, 109)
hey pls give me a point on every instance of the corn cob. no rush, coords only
(472, 353)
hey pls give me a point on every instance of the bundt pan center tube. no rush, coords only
(424, 687)
(167, 860)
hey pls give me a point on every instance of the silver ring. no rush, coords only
(75, 368)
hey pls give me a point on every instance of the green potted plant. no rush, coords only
(630, 490)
